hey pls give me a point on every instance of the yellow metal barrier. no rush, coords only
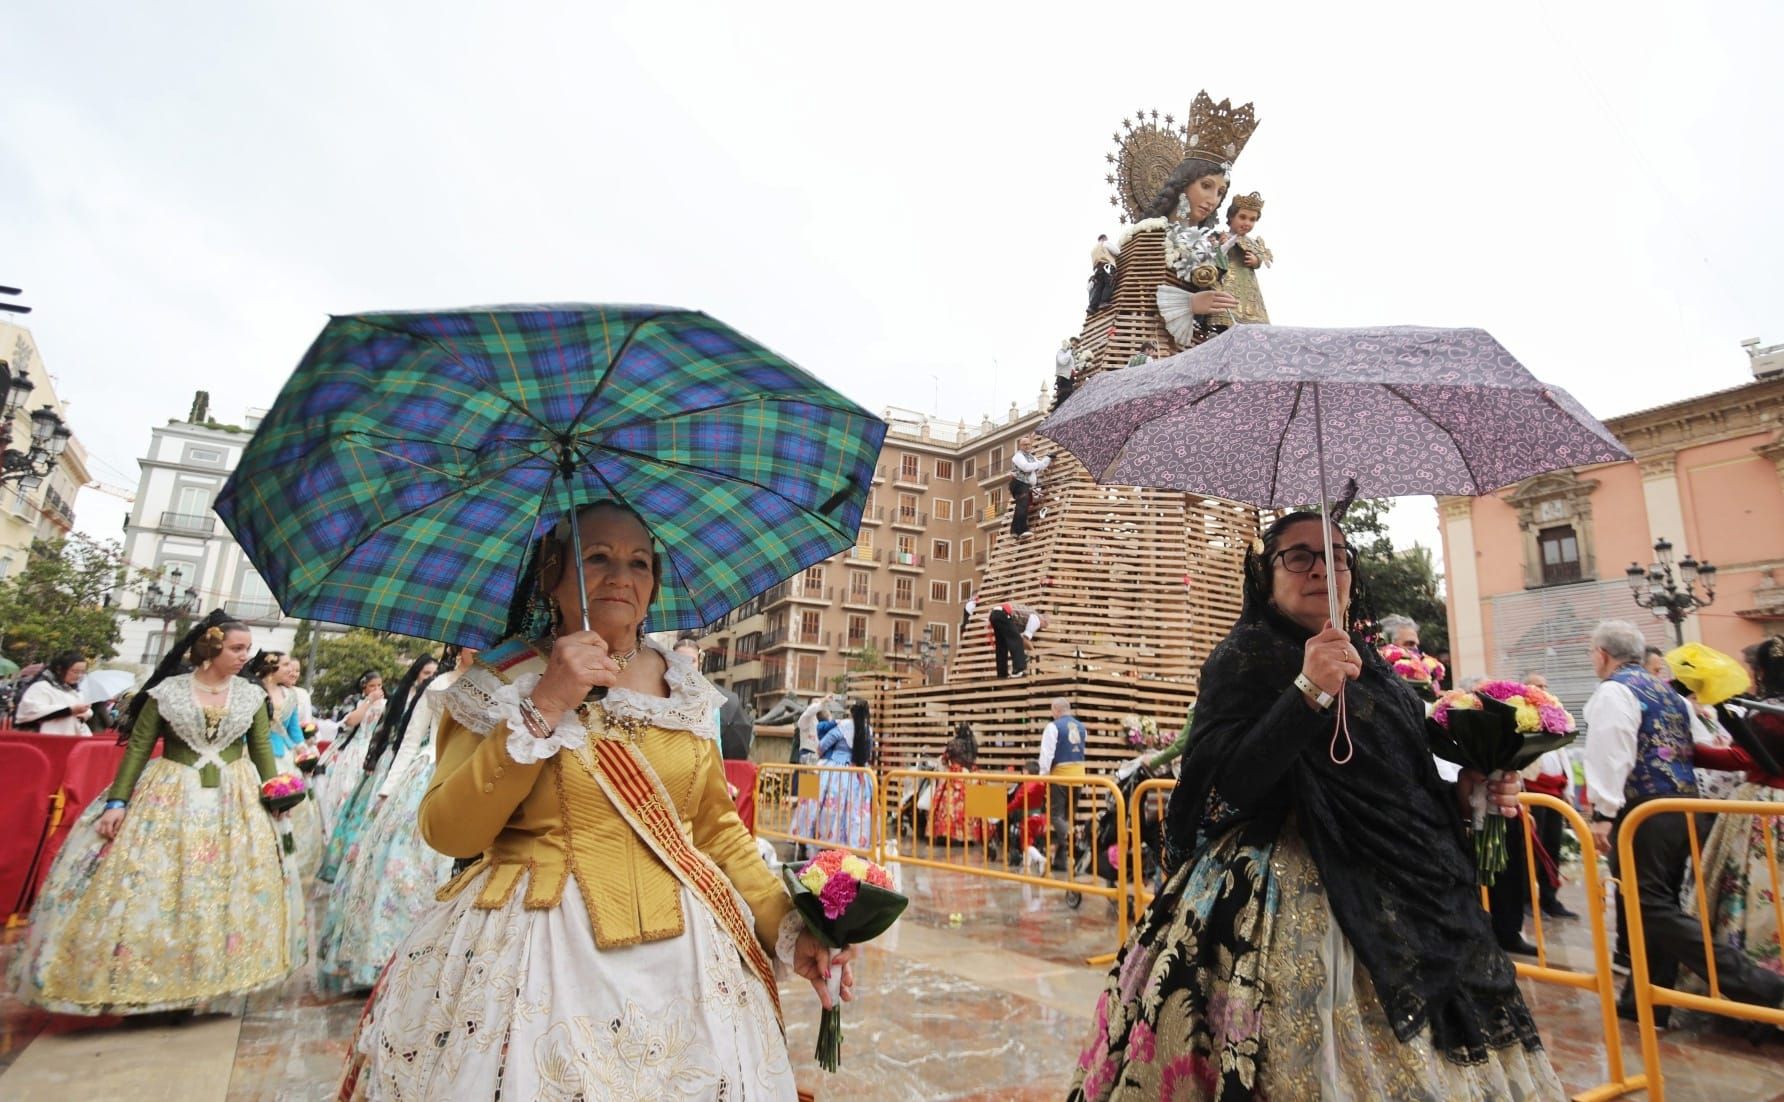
(1599, 980)
(1648, 994)
(990, 847)
(1141, 800)
(790, 806)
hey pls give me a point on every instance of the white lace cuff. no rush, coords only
(785, 942)
(523, 746)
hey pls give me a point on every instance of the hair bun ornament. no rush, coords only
(213, 634)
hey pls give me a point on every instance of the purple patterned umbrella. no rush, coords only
(1278, 416)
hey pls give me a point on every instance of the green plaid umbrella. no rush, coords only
(413, 457)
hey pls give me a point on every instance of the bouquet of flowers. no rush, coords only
(282, 793)
(844, 899)
(1142, 734)
(1418, 669)
(1502, 726)
(305, 757)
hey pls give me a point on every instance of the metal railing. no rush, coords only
(1649, 994)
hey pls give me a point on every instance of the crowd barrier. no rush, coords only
(1599, 980)
(1147, 805)
(995, 839)
(820, 805)
(1648, 994)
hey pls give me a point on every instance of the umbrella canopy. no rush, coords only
(105, 685)
(1401, 409)
(412, 458)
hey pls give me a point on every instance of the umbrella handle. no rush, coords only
(599, 692)
(1341, 726)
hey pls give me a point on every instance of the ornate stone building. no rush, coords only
(1531, 569)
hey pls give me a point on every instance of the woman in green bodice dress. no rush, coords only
(169, 893)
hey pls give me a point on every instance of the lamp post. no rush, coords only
(1655, 588)
(167, 604)
(49, 434)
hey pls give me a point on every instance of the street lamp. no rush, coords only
(49, 434)
(168, 604)
(1656, 589)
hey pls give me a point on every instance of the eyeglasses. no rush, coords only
(1300, 560)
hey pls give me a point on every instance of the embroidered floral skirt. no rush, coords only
(386, 888)
(1737, 876)
(522, 1004)
(1237, 983)
(343, 769)
(349, 821)
(947, 813)
(842, 814)
(188, 905)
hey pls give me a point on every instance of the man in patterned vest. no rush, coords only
(1638, 748)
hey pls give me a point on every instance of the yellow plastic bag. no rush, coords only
(1711, 675)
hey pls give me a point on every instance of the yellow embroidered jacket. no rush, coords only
(492, 796)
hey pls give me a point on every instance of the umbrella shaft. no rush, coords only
(1325, 513)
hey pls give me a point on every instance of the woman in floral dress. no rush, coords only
(1319, 935)
(395, 872)
(170, 892)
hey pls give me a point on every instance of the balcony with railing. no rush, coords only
(875, 515)
(195, 524)
(905, 560)
(797, 589)
(782, 638)
(902, 477)
(862, 556)
(910, 518)
(904, 602)
(857, 598)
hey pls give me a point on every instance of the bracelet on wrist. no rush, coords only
(534, 719)
(116, 805)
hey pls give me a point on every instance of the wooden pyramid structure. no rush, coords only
(1137, 585)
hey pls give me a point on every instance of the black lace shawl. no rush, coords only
(1384, 830)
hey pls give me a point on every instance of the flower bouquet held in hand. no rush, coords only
(844, 900)
(1502, 726)
(280, 794)
(305, 757)
(1419, 670)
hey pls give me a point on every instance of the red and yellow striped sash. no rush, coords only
(636, 790)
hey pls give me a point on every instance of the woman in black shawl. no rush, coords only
(1321, 934)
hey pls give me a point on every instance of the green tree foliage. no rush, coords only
(1404, 582)
(340, 659)
(57, 602)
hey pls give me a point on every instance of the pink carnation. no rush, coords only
(839, 892)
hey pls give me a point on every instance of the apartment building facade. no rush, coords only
(894, 600)
(174, 536)
(30, 508)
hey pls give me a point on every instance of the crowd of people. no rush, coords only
(1317, 922)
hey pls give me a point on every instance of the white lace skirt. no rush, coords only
(513, 1003)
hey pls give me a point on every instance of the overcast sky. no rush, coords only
(898, 197)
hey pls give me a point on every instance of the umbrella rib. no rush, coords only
(450, 354)
(722, 406)
(690, 468)
(400, 517)
(613, 363)
(1282, 441)
(1473, 478)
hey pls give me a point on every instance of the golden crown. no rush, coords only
(1218, 131)
(1253, 203)
(1147, 149)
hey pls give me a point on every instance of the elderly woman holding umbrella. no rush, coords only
(1320, 931)
(615, 891)
(613, 932)
(1319, 934)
